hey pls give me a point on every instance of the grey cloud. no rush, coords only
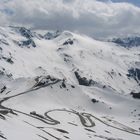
(91, 17)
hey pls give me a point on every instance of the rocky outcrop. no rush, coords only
(83, 80)
(51, 35)
(135, 95)
(68, 42)
(27, 43)
(25, 32)
(134, 73)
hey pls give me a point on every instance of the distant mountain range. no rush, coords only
(133, 41)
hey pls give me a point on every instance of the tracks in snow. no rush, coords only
(86, 119)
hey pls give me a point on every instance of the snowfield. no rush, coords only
(63, 85)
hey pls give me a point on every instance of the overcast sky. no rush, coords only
(135, 2)
(101, 18)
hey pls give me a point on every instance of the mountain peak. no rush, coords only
(61, 83)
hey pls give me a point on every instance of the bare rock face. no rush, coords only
(135, 95)
(134, 73)
(52, 35)
(3, 89)
(27, 43)
(68, 42)
(83, 80)
(25, 32)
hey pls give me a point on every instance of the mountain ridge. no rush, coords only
(64, 84)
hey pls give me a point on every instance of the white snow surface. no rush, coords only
(60, 108)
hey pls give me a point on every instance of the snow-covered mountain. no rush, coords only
(132, 41)
(63, 85)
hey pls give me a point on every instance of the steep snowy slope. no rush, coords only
(67, 86)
